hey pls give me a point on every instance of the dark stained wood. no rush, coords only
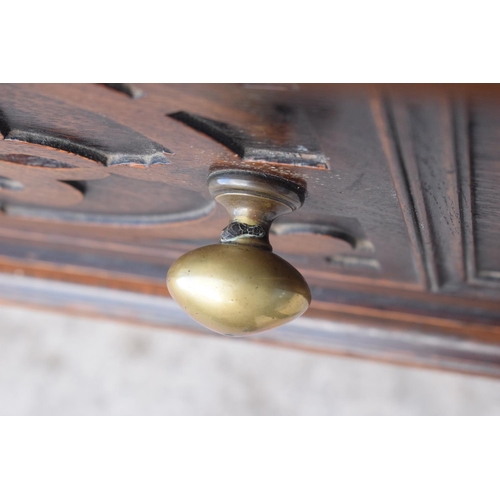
(402, 346)
(400, 226)
(292, 140)
(49, 122)
(35, 161)
(128, 89)
(163, 204)
(485, 186)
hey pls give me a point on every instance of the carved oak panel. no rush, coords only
(106, 184)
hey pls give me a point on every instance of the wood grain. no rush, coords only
(27, 117)
(404, 347)
(399, 229)
(292, 141)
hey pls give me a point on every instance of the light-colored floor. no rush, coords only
(54, 364)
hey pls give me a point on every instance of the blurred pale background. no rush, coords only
(55, 364)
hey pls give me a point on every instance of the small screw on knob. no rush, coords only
(239, 287)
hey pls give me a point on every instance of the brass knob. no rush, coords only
(239, 287)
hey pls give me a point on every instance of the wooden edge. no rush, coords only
(409, 348)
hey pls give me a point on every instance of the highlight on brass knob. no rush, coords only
(239, 286)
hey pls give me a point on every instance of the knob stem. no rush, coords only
(253, 200)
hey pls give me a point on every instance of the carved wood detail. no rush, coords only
(384, 121)
(426, 135)
(484, 130)
(431, 153)
(294, 144)
(95, 196)
(400, 229)
(126, 88)
(27, 117)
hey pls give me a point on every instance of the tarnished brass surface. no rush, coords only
(255, 199)
(240, 287)
(237, 289)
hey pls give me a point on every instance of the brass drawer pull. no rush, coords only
(239, 286)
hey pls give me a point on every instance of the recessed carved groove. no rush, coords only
(78, 185)
(425, 134)
(49, 122)
(301, 228)
(303, 151)
(353, 261)
(10, 184)
(493, 275)
(479, 190)
(35, 161)
(231, 137)
(359, 243)
(107, 219)
(386, 128)
(462, 139)
(347, 229)
(126, 88)
(115, 200)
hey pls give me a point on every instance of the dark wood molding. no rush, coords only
(399, 231)
(27, 117)
(305, 152)
(384, 121)
(407, 347)
(464, 188)
(127, 88)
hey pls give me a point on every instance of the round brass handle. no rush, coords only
(239, 286)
